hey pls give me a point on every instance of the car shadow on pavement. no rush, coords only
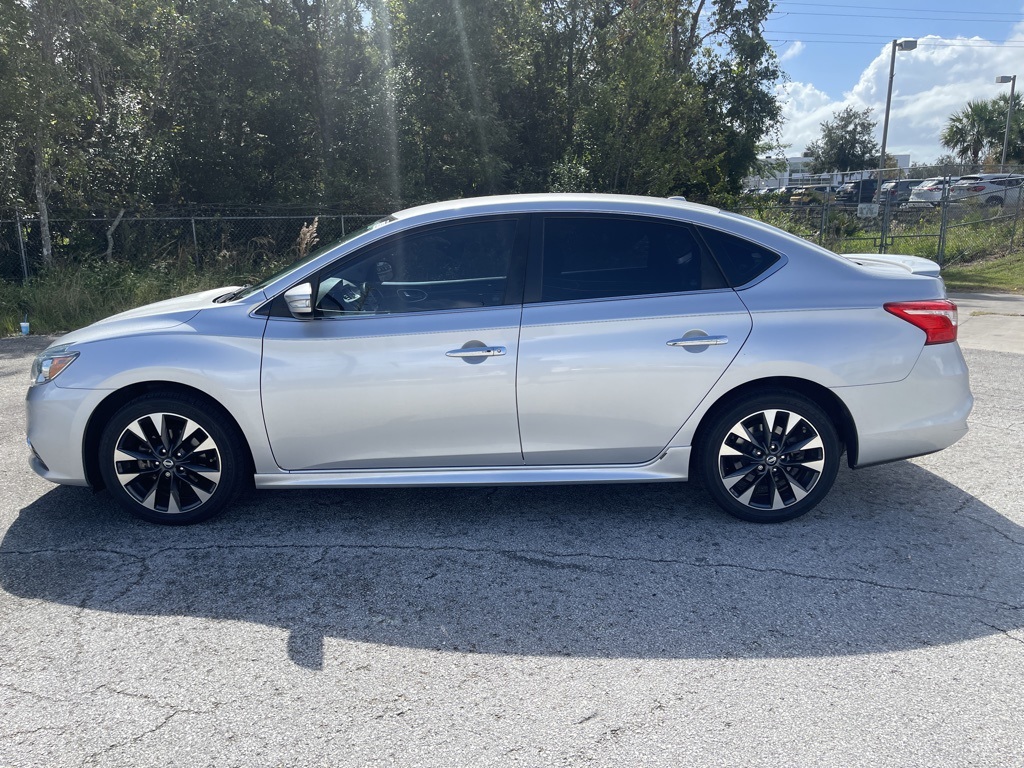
(895, 559)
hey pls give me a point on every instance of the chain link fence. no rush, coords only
(241, 244)
(944, 217)
(949, 223)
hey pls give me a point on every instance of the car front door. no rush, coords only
(628, 325)
(410, 357)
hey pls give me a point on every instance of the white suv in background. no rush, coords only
(988, 188)
(929, 191)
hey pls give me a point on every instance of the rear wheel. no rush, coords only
(770, 457)
(171, 459)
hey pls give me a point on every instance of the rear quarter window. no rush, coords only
(740, 260)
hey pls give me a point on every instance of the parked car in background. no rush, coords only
(854, 192)
(930, 191)
(897, 191)
(816, 195)
(521, 339)
(993, 189)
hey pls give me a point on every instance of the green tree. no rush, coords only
(680, 97)
(75, 128)
(972, 130)
(373, 103)
(943, 165)
(451, 138)
(847, 143)
(16, 104)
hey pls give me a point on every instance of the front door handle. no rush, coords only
(699, 341)
(476, 352)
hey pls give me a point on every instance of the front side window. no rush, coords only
(453, 266)
(597, 257)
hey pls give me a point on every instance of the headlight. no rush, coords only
(49, 363)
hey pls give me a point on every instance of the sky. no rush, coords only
(836, 53)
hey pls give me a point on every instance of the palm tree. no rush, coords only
(972, 130)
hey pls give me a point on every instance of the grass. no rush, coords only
(977, 255)
(71, 296)
(997, 275)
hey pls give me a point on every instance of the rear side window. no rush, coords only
(598, 257)
(740, 260)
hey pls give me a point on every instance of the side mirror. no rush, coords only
(300, 301)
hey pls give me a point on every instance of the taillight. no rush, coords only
(937, 318)
(976, 189)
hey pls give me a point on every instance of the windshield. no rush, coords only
(297, 265)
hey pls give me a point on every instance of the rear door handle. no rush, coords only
(699, 341)
(476, 352)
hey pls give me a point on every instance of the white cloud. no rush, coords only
(930, 84)
(793, 51)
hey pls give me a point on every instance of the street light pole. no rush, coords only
(897, 45)
(1012, 80)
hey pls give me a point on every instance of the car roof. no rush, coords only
(553, 201)
(987, 176)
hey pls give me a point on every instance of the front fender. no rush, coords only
(225, 368)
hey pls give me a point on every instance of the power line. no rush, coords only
(920, 44)
(819, 34)
(920, 41)
(973, 19)
(969, 14)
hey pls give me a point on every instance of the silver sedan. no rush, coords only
(520, 339)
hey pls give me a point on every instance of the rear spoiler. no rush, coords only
(915, 265)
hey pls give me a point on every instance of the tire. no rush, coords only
(761, 480)
(994, 202)
(171, 459)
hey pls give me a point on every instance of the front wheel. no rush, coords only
(171, 459)
(770, 457)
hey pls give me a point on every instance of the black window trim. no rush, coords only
(772, 268)
(515, 280)
(535, 266)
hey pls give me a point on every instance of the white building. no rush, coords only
(795, 173)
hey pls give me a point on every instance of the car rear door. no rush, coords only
(627, 326)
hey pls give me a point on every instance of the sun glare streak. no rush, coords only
(382, 23)
(474, 93)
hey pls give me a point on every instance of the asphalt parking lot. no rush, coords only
(560, 626)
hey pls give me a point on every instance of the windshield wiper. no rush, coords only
(231, 296)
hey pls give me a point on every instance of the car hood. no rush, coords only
(159, 316)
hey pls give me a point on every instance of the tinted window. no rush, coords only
(595, 257)
(455, 266)
(740, 260)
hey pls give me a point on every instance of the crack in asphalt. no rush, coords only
(33, 731)
(33, 694)
(139, 737)
(1005, 632)
(533, 558)
(991, 527)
